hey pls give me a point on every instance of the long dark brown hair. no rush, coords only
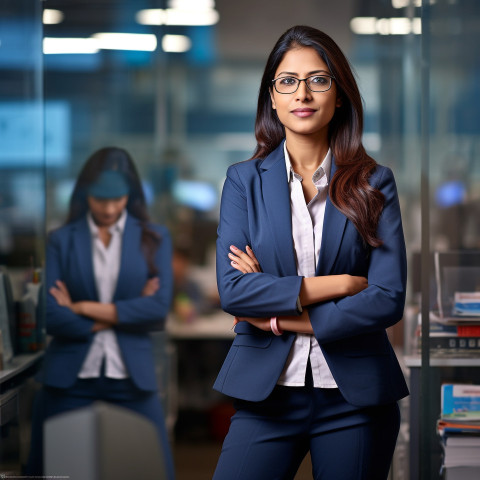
(349, 191)
(114, 158)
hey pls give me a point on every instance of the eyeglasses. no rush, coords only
(315, 83)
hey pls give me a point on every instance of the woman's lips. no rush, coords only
(303, 112)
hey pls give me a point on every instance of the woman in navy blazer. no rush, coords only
(311, 367)
(107, 206)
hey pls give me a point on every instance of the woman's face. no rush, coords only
(305, 112)
(106, 211)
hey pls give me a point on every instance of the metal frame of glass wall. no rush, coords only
(450, 202)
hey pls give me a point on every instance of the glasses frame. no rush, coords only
(300, 80)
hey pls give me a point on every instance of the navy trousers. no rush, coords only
(268, 440)
(52, 401)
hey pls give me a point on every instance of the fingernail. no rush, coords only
(233, 263)
(233, 248)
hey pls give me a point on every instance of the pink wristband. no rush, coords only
(274, 326)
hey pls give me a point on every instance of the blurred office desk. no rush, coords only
(442, 370)
(16, 395)
(201, 346)
(218, 325)
(13, 375)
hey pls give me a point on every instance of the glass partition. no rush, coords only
(450, 283)
(22, 222)
(22, 159)
(185, 116)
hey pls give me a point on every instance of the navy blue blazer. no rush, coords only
(69, 258)
(255, 210)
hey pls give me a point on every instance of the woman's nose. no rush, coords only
(303, 92)
(109, 207)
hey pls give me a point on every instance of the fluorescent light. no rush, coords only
(194, 15)
(400, 26)
(126, 41)
(193, 4)
(107, 41)
(363, 25)
(386, 26)
(151, 16)
(176, 43)
(406, 3)
(52, 17)
(417, 26)
(383, 26)
(59, 45)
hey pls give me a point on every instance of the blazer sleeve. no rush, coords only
(253, 294)
(381, 304)
(150, 312)
(61, 321)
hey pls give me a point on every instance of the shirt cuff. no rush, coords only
(299, 305)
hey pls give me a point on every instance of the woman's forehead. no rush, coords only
(302, 60)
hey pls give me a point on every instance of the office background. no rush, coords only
(183, 103)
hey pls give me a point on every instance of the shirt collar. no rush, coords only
(326, 165)
(118, 226)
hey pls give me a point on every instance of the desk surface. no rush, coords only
(218, 325)
(18, 365)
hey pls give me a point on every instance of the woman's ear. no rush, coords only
(272, 99)
(338, 102)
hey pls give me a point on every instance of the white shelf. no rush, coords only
(416, 361)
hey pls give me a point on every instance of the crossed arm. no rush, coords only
(104, 315)
(312, 290)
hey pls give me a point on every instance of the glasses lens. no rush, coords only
(316, 83)
(286, 84)
(319, 83)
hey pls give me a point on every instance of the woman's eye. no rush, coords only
(288, 81)
(320, 80)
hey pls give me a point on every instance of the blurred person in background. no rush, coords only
(110, 282)
(311, 262)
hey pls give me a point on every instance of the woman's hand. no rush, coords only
(261, 323)
(60, 292)
(355, 285)
(244, 262)
(297, 324)
(103, 314)
(151, 286)
(99, 326)
(62, 296)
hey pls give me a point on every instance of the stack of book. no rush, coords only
(455, 321)
(459, 430)
(455, 340)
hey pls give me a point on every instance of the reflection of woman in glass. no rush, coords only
(303, 225)
(110, 283)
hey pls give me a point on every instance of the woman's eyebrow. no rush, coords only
(313, 72)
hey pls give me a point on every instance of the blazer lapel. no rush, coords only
(128, 256)
(334, 225)
(276, 196)
(82, 245)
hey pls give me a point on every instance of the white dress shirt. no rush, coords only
(106, 267)
(307, 226)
